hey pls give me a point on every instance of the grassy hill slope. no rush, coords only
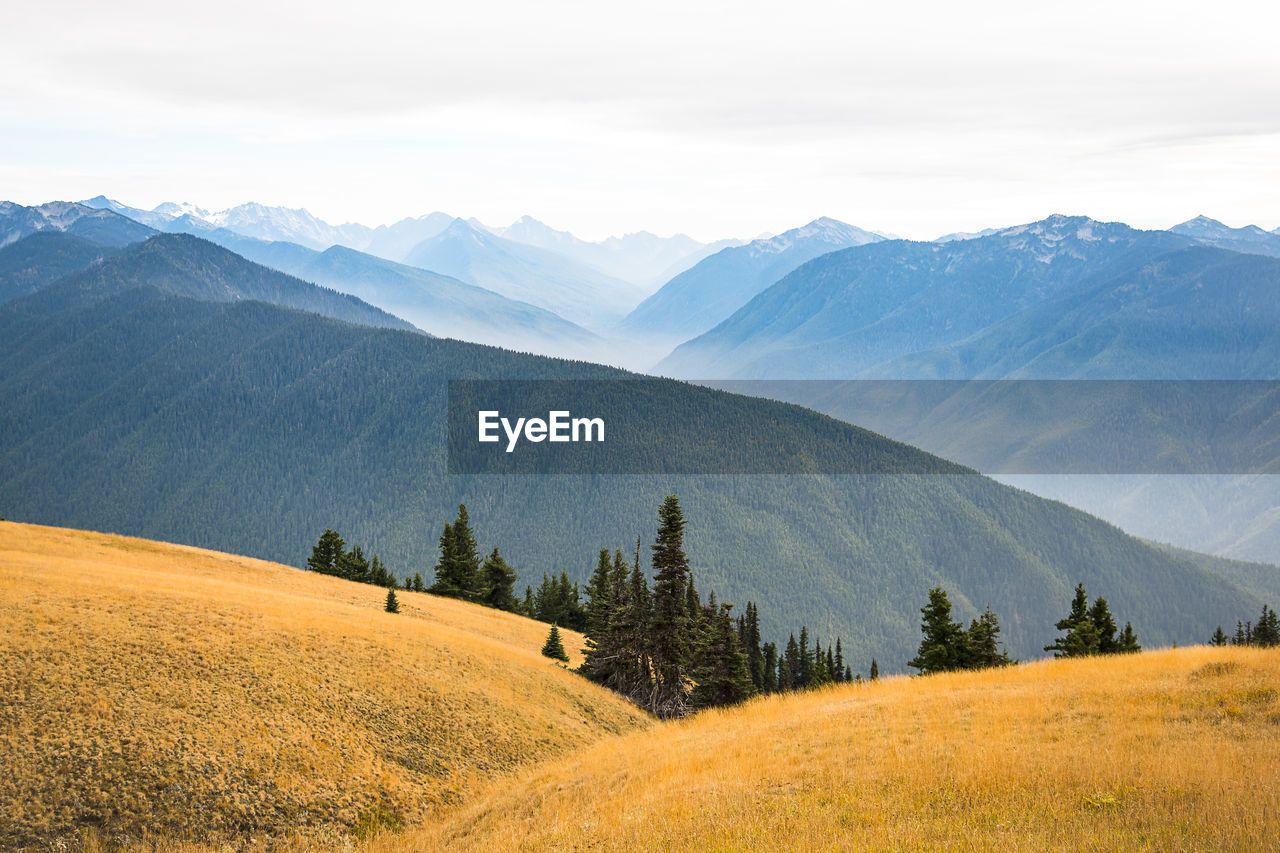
(1171, 750)
(161, 689)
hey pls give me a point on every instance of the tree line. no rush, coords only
(1265, 633)
(948, 646)
(662, 646)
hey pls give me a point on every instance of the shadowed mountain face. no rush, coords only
(251, 427)
(704, 295)
(42, 258)
(844, 314)
(189, 266)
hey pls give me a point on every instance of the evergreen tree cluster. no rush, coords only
(557, 601)
(1091, 630)
(948, 646)
(461, 574)
(330, 557)
(671, 652)
(1265, 632)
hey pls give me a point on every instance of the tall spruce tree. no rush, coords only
(1219, 637)
(668, 628)
(392, 605)
(944, 645)
(875, 670)
(457, 572)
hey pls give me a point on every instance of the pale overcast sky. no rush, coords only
(711, 118)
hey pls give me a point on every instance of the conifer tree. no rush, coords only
(554, 647)
(786, 678)
(498, 582)
(1081, 637)
(1128, 642)
(376, 573)
(804, 677)
(875, 670)
(599, 607)
(353, 566)
(1267, 632)
(722, 677)
(1219, 637)
(769, 684)
(325, 554)
(668, 627)
(457, 572)
(751, 645)
(392, 606)
(528, 607)
(1105, 626)
(983, 646)
(791, 657)
(839, 662)
(417, 583)
(944, 645)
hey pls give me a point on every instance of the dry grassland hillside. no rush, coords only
(1169, 750)
(157, 690)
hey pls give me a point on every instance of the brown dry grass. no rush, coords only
(1169, 750)
(157, 690)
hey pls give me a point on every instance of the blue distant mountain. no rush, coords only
(1250, 238)
(844, 314)
(437, 304)
(526, 273)
(701, 297)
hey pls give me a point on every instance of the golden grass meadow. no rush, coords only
(159, 697)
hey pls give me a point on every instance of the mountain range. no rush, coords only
(1065, 297)
(642, 259)
(150, 393)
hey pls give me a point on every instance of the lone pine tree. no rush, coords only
(392, 606)
(553, 647)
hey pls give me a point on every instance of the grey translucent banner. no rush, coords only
(658, 426)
